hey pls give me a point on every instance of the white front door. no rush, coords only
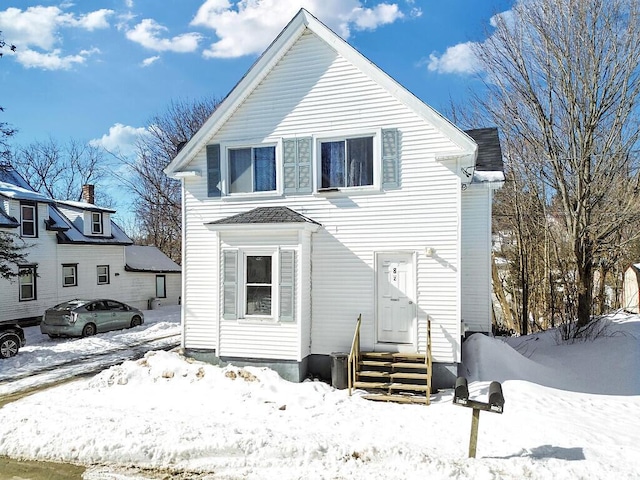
(395, 306)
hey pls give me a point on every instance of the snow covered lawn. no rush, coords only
(571, 411)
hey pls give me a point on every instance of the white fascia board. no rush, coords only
(258, 71)
(459, 137)
(263, 227)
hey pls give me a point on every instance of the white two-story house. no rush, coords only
(75, 250)
(321, 190)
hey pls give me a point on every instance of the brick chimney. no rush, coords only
(87, 194)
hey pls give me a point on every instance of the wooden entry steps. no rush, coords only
(393, 377)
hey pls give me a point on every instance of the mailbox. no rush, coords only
(496, 399)
(461, 395)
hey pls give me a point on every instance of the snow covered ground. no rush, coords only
(571, 411)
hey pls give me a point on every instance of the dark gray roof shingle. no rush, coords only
(489, 150)
(265, 215)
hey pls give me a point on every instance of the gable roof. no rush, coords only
(302, 21)
(148, 258)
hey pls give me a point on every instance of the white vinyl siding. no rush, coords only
(476, 258)
(315, 93)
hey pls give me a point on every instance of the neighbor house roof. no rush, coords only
(141, 258)
(279, 47)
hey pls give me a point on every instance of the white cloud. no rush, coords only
(372, 18)
(246, 27)
(52, 60)
(36, 33)
(149, 61)
(121, 139)
(148, 34)
(457, 59)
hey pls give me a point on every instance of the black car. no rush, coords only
(11, 339)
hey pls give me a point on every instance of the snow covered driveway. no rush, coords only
(44, 361)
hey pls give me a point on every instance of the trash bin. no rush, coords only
(339, 364)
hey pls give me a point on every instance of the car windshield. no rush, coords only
(70, 305)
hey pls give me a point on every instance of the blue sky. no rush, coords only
(98, 71)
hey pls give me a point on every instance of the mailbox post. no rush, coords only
(495, 404)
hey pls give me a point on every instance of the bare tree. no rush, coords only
(59, 170)
(158, 197)
(563, 86)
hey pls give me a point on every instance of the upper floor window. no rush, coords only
(70, 275)
(27, 283)
(96, 223)
(28, 220)
(252, 169)
(346, 163)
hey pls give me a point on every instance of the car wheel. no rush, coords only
(9, 345)
(88, 330)
(51, 335)
(136, 321)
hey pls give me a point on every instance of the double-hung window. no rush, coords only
(347, 163)
(103, 274)
(28, 220)
(259, 284)
(96, 223)
(70, 275)
(252, 169)
(27, 283)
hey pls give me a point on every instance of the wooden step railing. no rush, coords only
(354, 356)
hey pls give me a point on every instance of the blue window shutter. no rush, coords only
(390, 158)
(289, 156)
(213, 171)
(230, 285)
(297, 165)
(304, 165)
(287, 286)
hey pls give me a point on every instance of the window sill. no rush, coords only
(239, 197)
(346, 191)
(258, 321)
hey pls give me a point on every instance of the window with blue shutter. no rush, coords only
(213, 171)
(287, 286)
(390, 158)
(297, 165)
(230, 285)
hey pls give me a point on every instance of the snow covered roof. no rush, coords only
(139, 258)
(84, 206)
(6, 221)
(489, 164)
(15, 192)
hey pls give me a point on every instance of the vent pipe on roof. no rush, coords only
(88, 194)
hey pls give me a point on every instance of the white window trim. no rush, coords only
(33, 283)
(242, 283)
(101, 223)
(225, 183)
(342, 136)
(34, 208)
(75, 275)
(108, 274)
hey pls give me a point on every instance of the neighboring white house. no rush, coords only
(320, 189)
(74, 250)
(631, 289)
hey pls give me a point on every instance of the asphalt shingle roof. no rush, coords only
(489, 150)
(265, 215)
